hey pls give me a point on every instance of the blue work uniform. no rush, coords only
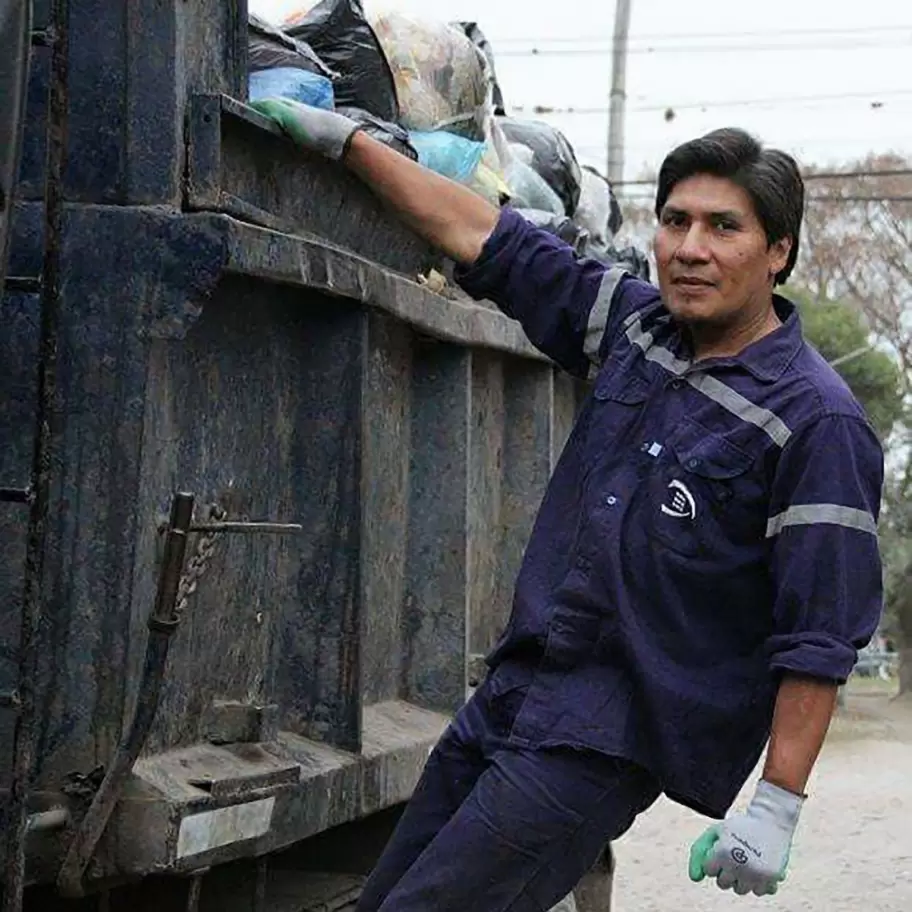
(710, 526)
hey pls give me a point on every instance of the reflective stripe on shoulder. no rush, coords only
(771, 425)
(601, 310)
(822, 514)
(643, 339)
(711, 387)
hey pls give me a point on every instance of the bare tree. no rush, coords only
(857, 247)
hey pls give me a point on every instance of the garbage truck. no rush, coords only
(265, 487)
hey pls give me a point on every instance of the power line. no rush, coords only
(686, 106)
(676, 36)
(810, 176)
(891, 144)
(896, 43)
(821, 198)
(836, 198)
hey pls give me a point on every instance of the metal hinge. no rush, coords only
(9, 699)
(16, 495)
(24, 284)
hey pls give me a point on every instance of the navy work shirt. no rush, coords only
(709, 526)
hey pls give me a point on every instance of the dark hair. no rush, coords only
(770, 178)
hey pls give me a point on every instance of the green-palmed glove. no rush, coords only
(749, 852)
(324, 132)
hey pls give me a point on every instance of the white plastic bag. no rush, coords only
(440, 75)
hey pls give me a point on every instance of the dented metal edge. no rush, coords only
(311, 262)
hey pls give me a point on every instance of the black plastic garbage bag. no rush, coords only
(558, 225)
(389, 134)
(342, 37)
(631, 258)
(598, 210)
(270, 48)
(552, 157)
(476, 36)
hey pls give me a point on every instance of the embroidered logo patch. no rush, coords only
(681, 503)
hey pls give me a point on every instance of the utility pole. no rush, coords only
(618, 99)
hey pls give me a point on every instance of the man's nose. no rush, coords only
(694, 248)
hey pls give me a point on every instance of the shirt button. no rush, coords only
(611, 500)
(692, 463)
(676, 384)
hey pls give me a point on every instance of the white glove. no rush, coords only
(749, 852)
(324, 132)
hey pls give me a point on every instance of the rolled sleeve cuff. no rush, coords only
(491, 269)
(817, 655)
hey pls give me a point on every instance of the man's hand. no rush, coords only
(749, 852)
(324, 132)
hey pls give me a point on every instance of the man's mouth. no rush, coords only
(693, 282)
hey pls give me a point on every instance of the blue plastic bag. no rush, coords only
(291, 82)
(448, 154)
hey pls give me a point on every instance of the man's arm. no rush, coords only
(825, 567)
(825, 571)
(570, 308)
(451, 217)
(804, 708)
(448, 215)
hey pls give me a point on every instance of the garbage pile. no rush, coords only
(429, 89)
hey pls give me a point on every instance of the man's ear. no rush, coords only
(778, 255)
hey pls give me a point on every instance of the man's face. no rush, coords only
(715, 266)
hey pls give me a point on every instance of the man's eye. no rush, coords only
(673, 219)
(726, 225)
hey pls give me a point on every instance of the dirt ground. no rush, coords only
(853, 849)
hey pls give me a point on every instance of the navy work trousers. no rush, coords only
(493, 828)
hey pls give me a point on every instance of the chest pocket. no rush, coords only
(618, 401)
(704, 496)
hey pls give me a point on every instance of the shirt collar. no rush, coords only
(767, 358)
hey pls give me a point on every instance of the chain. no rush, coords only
(198, 563)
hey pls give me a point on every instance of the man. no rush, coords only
(704, 565)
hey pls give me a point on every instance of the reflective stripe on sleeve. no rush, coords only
(601, 310)
(822, 514)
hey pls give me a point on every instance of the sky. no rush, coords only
(827, 80)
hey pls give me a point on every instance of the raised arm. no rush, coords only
(567, 306)
(451, 217)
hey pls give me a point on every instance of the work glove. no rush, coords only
(324, 132)
(749, 852)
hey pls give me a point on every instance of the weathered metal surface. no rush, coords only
(435, 610)
(41, 430)
(388, 428)
(316, 264)
(15, 27)
(273, 353)
(414, 467)
(329, 787)
(162, 624)
(134, 65)
(240, 163)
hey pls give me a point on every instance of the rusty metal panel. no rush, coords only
(269, 349)
(240, 163)
(15, 28)
(385, 516)
(487, 441)
(415, 467)
(435, 613)
(258, 408)
(133, 65)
